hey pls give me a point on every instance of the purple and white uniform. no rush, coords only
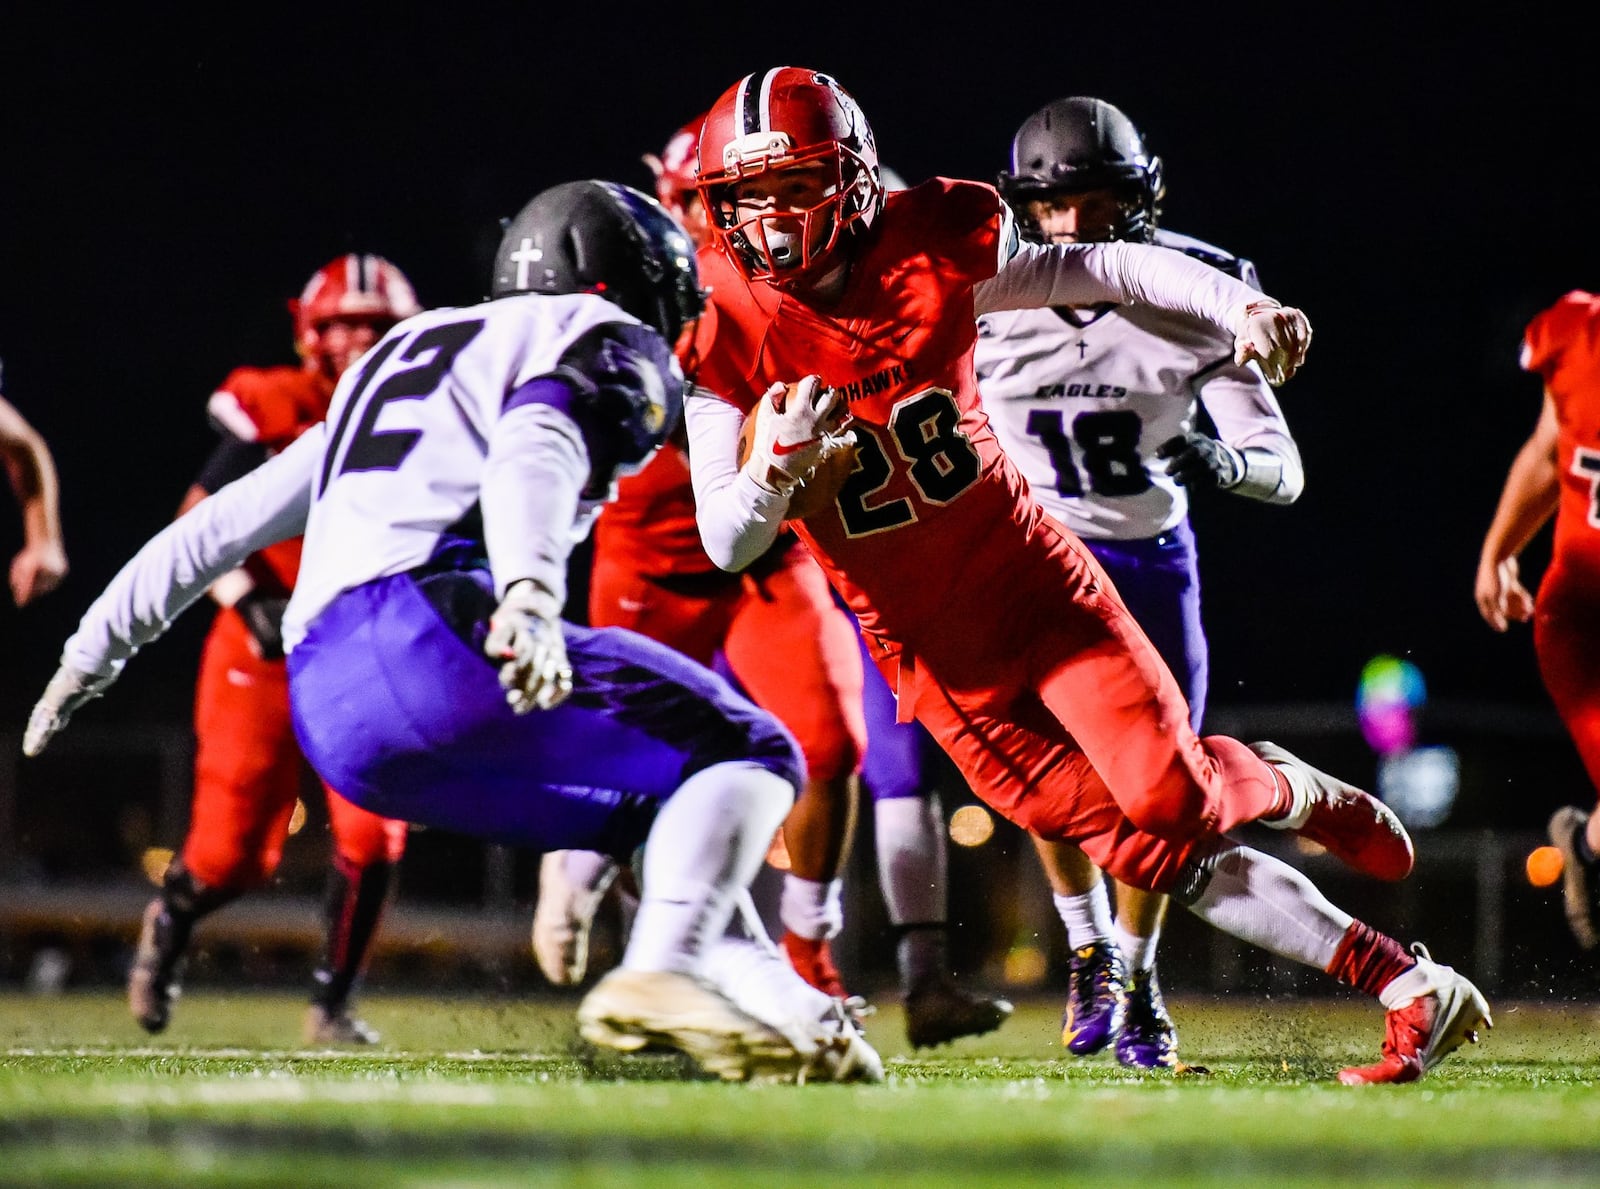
(469, 449)
(1081, 398)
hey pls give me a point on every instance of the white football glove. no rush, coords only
(68, 690)
(1275, 336)
(795, 432)
(525, 636)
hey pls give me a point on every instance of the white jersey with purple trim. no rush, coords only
(417, 442)
(1081, 398)
(421, 434)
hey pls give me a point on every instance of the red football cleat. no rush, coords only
(1353, 826)
(1445, 1014)
(813, 961)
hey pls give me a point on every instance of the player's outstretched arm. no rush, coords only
(1528, 499)
(171, 571)
(1040, 275)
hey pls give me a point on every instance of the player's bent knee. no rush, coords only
(1175, 808)
(770, 745)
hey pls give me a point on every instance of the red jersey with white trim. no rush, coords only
(934, 499)
(271, 406)
(651, 521)
(1562, 345)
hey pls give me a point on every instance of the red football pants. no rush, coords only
(790, 645)
(1063, 717)
(1566, 639)
(248, 769)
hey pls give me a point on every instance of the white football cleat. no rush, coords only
(838, 1050)
(571, 886)
(632, 1010)
(1443, 1012)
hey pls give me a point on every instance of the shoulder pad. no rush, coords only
(1218, 258)
(1554, 327)
(270, 405)
(630, 391)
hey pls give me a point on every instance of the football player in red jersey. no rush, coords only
(248, 766)
(41, 563)
(797, 653)
(1557, 473)
(839, 313)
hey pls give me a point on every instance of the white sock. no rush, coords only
(1086, 916)
(809, 908)
(706, 845)
(1266, 902)
(911, 859)
(1299, 800)
(588, 874)
(1138, 952)
(1406, 986)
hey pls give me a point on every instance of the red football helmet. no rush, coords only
(675, 187)
(355, 286)
(768, 122)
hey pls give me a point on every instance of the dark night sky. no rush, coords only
(1420, 191)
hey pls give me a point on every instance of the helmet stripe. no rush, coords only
(744, 109)
(765, 115)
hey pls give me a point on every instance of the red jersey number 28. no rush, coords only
(924, 432)
(1586, 464)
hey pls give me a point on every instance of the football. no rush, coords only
(819, 490)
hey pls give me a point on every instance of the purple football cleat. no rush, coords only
(1093, 1014)
(1147, 1039)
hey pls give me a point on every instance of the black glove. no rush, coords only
(1198, 461)
(263, 615)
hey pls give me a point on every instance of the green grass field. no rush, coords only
(479, 1092)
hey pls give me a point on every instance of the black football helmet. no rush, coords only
(1078, 144)
(605, 238)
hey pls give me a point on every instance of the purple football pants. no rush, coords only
(1159, 581)
(396, 706)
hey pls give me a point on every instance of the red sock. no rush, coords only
(1367, 960)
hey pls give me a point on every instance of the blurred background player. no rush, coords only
(431, 675)
(41, 563)
(785, 638)
(1099, 407)
(1557, 473)
(248, 768)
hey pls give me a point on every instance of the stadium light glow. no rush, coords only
(154, 862)
(1026, 964)
(1543, 866)
(971, 825)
